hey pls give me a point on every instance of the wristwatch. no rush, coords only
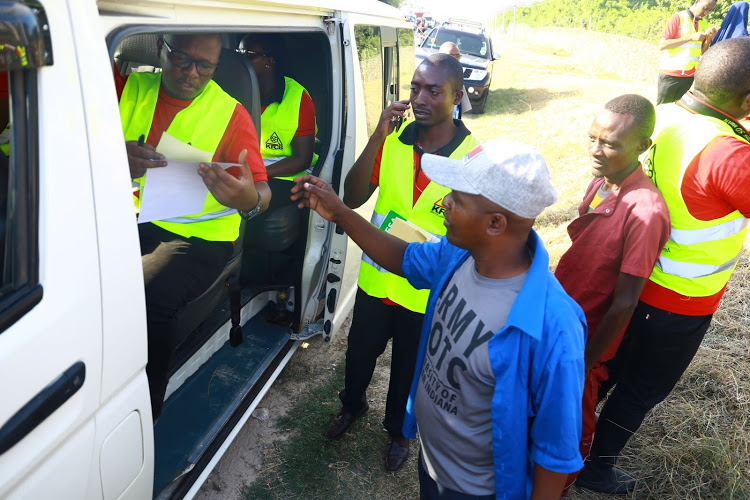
(252, 213)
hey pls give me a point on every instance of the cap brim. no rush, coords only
(446, 172)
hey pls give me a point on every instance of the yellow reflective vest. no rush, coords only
(396, 194)
(700, 256)
(687, 56)
(279, 123)
(202, 125)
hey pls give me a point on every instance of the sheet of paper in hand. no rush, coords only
(175, 190)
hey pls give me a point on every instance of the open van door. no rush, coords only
(50, 304)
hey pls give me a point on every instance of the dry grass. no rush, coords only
(695, 445)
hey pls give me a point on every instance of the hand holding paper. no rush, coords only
(234, 192)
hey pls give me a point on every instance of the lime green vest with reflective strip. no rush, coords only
(202, 125)
(396, 194)
(685, 57)
(279, 123)
(700, 256)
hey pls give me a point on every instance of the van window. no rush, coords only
(369, 50)
(406, 57)
(18, 196)
(390, 63)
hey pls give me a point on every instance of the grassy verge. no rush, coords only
(307, 465)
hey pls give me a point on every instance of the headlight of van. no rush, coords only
(477, 74)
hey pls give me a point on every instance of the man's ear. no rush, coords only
(745, 104)
(458, 96)
(497, 224)
(644, 145)
(159, 46)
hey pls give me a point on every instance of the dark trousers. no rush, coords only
(429, 489)
(373, 324)
(175, 271)
(655, 351)
(672, 88)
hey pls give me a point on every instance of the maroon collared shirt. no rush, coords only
(624, 234)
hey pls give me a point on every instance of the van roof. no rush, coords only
(138, 7)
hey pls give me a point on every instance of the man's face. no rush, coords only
(463, 219)
(432, 97)
(703, 7)
(614, 144)
(188, 63)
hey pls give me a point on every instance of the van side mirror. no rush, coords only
(25, 41)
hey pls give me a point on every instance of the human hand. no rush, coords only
(141, 158)
(312, 192)
(230, 191)
(711, 32)
(391, 115)
(698, 37)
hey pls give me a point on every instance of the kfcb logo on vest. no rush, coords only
(438, 208)
(274, 142)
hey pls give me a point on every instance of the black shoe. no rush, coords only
(603, 477)
(398, 452)
(342, 422)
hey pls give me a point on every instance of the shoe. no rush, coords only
(603, 477)
(398, 452)
(343, 421)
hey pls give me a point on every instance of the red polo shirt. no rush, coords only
(624, 234)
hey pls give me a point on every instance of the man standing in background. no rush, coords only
(685, 38)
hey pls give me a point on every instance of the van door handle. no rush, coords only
(42, 406)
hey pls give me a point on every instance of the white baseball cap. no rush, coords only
(508, 173)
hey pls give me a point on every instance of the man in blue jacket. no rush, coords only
(500, 368)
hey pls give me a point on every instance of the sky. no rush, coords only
(471, 9)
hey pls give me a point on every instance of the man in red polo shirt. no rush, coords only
(622, 226)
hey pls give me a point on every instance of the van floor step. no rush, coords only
(196, 412)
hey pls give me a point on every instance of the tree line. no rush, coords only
(643, 19)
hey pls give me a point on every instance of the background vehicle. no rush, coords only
(75, 420)
(477, 56)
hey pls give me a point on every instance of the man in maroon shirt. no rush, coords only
(622, 226)
(698, 141)
(179, 267)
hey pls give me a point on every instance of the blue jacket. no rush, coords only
(538, 363)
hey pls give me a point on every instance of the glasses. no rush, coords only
(183, 61)
(250, 53)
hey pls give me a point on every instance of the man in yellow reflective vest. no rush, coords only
(684, 39)
(183, 256)
(386, 305)
(699, 162)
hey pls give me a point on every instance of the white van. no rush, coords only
(75, 418)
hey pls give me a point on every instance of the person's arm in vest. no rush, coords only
(670, 37)
(385, 249)
(302, 144)
(357, 186)
(238, 193)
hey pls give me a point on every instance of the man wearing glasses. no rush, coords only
(182, 257)
(464, 106)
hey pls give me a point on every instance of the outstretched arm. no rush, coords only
(383, 248)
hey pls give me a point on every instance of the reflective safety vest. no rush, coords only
(202, 125)
(279, 123)
(685, 57)
(396, 194)
(700, 256)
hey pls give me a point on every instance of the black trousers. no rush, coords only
(655, 351)
(672, 88)
(175, 271)
(373, 324)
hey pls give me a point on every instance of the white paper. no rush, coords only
(173, 191)
(176, 150)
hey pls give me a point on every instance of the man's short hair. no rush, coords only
(640, 108)
(454, 72)
(724, 72)
(175, 37)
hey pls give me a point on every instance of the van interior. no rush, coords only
(213, 381)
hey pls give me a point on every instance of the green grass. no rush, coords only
(307, 465)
